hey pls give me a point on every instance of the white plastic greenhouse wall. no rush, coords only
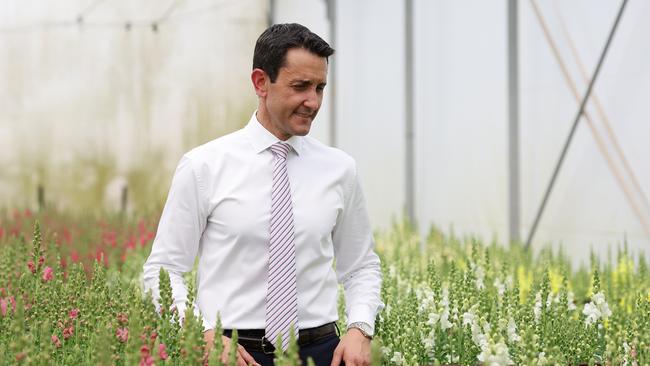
(461, 107)
(461, 115)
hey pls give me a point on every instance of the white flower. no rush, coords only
(429, 344)
(445, 297)
(385, 351)
(541, 359)
(550, 299)
(469, 318)
(592, 313)
(596, 309)
(599, 300)
(501, 288)
(570, 305)
(537, 310)
(479, 338)
(397, 358)
(480, 276)
(495, 355)
(444, 320)
(509, 281)
(433, 319)
(512, 331)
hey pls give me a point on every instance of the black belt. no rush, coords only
(254, 339)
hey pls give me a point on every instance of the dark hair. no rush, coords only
(272, 46)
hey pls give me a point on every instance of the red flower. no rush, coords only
(67, 235)
(74, 255)
(144, 350)
(162, 353)
(130, 244)
(47, 274)
(56, 341)
(31, 266)
(73, 313)
(68, 332)
(41, 260)
(146, 361)
(122, 334)
(3, 307)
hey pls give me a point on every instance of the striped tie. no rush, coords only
(282, 295)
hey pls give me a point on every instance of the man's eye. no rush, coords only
(320, 88)
(300, 87)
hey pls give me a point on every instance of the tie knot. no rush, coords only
(280, 149)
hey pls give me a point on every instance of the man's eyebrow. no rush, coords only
(301, 81)
(305, 82)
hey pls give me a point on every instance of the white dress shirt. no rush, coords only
(219, 207)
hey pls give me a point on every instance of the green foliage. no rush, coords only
(448, 300)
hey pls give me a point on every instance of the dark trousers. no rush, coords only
(321, 351)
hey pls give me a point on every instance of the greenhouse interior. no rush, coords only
(388, 182)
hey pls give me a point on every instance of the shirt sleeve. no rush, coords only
(175, 246)
(357, 264)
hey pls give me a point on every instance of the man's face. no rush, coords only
(293, 101)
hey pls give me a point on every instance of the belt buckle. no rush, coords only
(264, 343)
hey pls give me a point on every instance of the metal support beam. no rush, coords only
(331, 84)
(581, 110)
(409, 106)
(270, 14)
(513, 123)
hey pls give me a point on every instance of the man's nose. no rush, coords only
(312, 101)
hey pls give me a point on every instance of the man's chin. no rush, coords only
(301, 132)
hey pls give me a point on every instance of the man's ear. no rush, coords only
(260, 82)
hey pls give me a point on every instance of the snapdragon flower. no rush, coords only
(512, 331)
(495, 355)
(596, 309)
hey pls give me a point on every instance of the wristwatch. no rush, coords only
(364, 328)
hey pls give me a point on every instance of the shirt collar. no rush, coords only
(262, 139)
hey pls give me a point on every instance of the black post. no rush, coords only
(40, 194)
(125, 196)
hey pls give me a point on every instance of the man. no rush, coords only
(268, 210)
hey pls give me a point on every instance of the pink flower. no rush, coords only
(146, 361)
(67, 332)
(162, 352)
(73, 313)
(41, 260)
(122, 334)
(56, 341)
(144, 350)
(47, 274)
(3, 306)
(31, 266)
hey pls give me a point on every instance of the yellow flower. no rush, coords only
(525, 281)
(556, 280)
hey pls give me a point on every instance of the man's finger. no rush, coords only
(338, 354)
(247, 357)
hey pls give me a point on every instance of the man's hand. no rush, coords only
(354, 349)
(243, 358)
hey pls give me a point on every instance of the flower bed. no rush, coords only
(76, 298)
